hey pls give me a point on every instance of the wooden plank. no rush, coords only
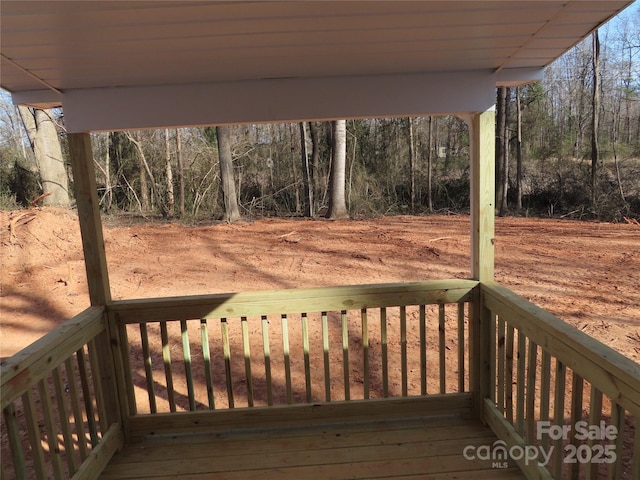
(35, 362)
(325, 353)
(76, 409)
(505, 432)
(614, 374)
(403, 350)
(94, 464)
(267, 358)
(86, 195)
(98, 392)
(423, 349)
(441, 348)
(86, 396)
(345, 354)
(482, 192)
(299, 414)
(616, 469)
(186, 351)
(246, 350)
(148, 368)
(365, 351)
(521, 365)
(166, 359)
(508, 371)
(530, 415)
(206, 354)
(63, 415)
(385, 352)
(545, 389)
(287, 356)
(305, 352)
(126, 366)
(50, 429)
(577, 390)
(558, 416)
(276, 302)
(33, 430)
(226, 350)
(462, 347)
(15, 442)
(595, 415)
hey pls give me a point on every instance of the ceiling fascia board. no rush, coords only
(277, 100)
(37, 98)
(515, 77)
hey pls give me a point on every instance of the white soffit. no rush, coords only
(119, 65)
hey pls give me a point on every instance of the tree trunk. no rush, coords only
(429, 165)
(169, 174)
(43, 136)
(180, 170)
(412, 166)
(307, 182)
(518, 151)
(337, 201)
(505, 158)
(501, 119)
(315, 162)
(595, 108)
(231, 209)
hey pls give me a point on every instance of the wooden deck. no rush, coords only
(423, 447)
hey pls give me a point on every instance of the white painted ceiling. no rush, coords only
(51, 48)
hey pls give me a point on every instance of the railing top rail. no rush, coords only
(27, 367)
(610, 371)
(284, 301)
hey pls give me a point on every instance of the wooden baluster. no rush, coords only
(64, 420)
(146, 353)
(508, 381)
(520, 381)
(403, 349)
(442, 348)
(287, 357)
(325, 350)
(76, 408)
(345, 354)
(267, 358)
(206, 354)
(15, 442)
(423, 350)
(531, 393)
(246, 350)
(545, 390)
(577, 390)
(166, 358)
(500, 358)
(595, 415)
(186, 350)
(31, 419)
(558, 416)
(50, 428)
(385, 352)
(365, 351)
(86, 396)
(227, 360)
(305, 349)
(462, 345)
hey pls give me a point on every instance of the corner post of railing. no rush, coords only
(482, 196)
(85, 189)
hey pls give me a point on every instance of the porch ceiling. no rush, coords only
(127, 56)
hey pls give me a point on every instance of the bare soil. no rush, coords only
(586, 273)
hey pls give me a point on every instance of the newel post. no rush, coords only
(482, 195)
(86, 195)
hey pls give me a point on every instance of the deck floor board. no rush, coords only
(425, 447)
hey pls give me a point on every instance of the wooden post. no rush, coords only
(84, 181)
(482, 179)
(482, 195)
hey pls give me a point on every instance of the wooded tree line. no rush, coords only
(567, 146)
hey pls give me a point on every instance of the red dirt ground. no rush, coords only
(586, 273)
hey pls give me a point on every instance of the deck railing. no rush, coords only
(303, 346)
(55, 404)
(563, 404)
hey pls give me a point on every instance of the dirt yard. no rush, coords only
(586, 273)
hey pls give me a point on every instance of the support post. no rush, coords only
(86, 194)
(482, 195)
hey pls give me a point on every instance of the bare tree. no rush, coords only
(595, 110)
(337, 201)
(169, 174)
(412, 164)
(231, 208)
(180, 170)
(43, 136)
(307, 181)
